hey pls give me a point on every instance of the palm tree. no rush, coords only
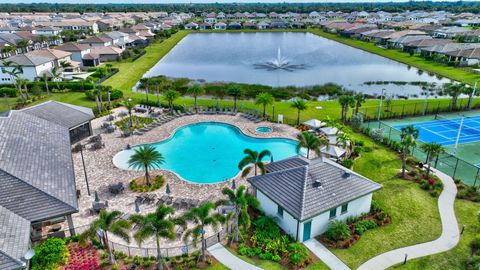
(311, 143)
(344, 140)
(196, 90)
(300, 105)
(108, 222)
(23, 45)
(346, 101)
(170, 96)
(433, 150)
(407, 142)
(240, 200)
(409, 130)
(359, 99)
(254, 158)
(201, 217)
(56, 75)
(129, 105)
(65, 64)
(264, 99)
(158, 224)
(147, 158)
(236, 92)
(42, 39)
(45, 79)
(454, 90)
(22, 88)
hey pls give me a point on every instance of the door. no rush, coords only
(307, 228)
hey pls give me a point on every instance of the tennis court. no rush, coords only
(445, 131)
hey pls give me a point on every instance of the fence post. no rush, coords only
(128, 249)
(389, 133)
(415, 109)
(403, 110)
(438, 106)
(455, 171)
(436, 162)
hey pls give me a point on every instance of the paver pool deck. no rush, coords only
(101, 171)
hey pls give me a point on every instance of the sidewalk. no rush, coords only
(325, 255)
(228, 259)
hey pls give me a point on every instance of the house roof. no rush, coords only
(73, 47)
(106, 50)
(15, 236)
(95, 39)
(63, 114)
(306, 188)
(53, 54)
(28, 59)
(37, 152)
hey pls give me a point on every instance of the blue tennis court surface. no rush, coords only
(445, 131)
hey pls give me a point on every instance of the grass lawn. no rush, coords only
(453, 259)
(454, 73)
(131, 72)
(270, 265)
(216, 266)
(415, 218)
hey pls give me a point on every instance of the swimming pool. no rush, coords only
(264, 129)
(209, 152)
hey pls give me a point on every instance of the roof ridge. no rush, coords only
(306, 167)
(12, 258)
(47, 194)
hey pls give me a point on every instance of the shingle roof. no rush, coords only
(38, 152)
(292, 183)
(28, 59)
(63, 114)
(15, 238)
(73, 47)
(51, 53)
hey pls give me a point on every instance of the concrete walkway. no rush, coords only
(325, 255)
(228, 259)
(448, 240)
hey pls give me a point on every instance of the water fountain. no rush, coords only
(279, 63)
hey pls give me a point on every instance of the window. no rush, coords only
(333, 213)
(280, 211)
(344, 208)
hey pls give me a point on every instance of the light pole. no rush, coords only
(84, 169)
(380, 107)
(470, 101)
(273, 113)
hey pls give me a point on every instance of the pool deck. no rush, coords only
(101, 171)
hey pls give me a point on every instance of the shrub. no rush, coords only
(9, 92)
(50, 254)
(365, 225)
(337, 230)
(266, 256)
(412, 161)
(297, 253)
(348, 163)
(156, 184)
(276, 258)
(367, 149)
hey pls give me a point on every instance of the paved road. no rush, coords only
(325, 255)
(228, 259)
(448, 240)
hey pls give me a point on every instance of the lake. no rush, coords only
(309, 60)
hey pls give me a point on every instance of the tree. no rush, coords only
(108, 222)
(129, 105)
(170, 97)
(433, 150)
(344, 140)
(201, 217)
(454, 90)
(196, 90)
(45, 79)
(236, 92)
(146, 158)
(253, 158)
(407, 142)
(409, 130)
(311, 143)
(346, 101)
(23, 45)
(377, 135)
(240, 200)
(359, 99)
(300, 105)
(56, 75)
(146, 82)
(158, 224)
(264, 99)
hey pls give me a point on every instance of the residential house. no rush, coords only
(305, 195)
(107, 53)
(263, 25)
(234, 26)
(95, 41)
(416, 45)
(47, 31)
(119, 39)
(220, 26)
(205, 26)
(450, 32)
(191, 26)
(58, 57)
(465, 57)
(32, 67)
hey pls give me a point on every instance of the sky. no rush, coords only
(199, 1)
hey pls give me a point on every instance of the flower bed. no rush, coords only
(345, 234)
(82, 258)
(157, 183)
(138, 122)
(465, 192)
(432, 184)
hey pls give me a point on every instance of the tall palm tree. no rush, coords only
(128, 103)
(158, 224)
(300, 105)
(454, 90)
(196, 90)
(346, 101)
(23, 45)
(108, 222)
(264, 99)
(56, 75)
(311, 143)
(359, 99)
(22, 88)
(201, 217)
(253, 158)
(433, 150)
(146, 158)
(236, 92)
(240, 200)
(45, 79)
(407, 142)
(170, 96)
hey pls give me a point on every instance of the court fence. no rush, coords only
(447, 163)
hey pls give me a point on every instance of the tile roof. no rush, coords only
(51, 53)
(306, 188)
(63, 114)
(15, 239)
(29, 59)
(73, 47)
(95, 39)
(38, 152)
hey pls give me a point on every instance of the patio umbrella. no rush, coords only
(137, 208)
(234, 185)
(97, 198)
(167, 189)
(333, 151)
(314, 123)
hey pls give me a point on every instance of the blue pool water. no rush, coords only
(264, 129)
(210, 152)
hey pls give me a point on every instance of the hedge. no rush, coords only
(9, 92)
